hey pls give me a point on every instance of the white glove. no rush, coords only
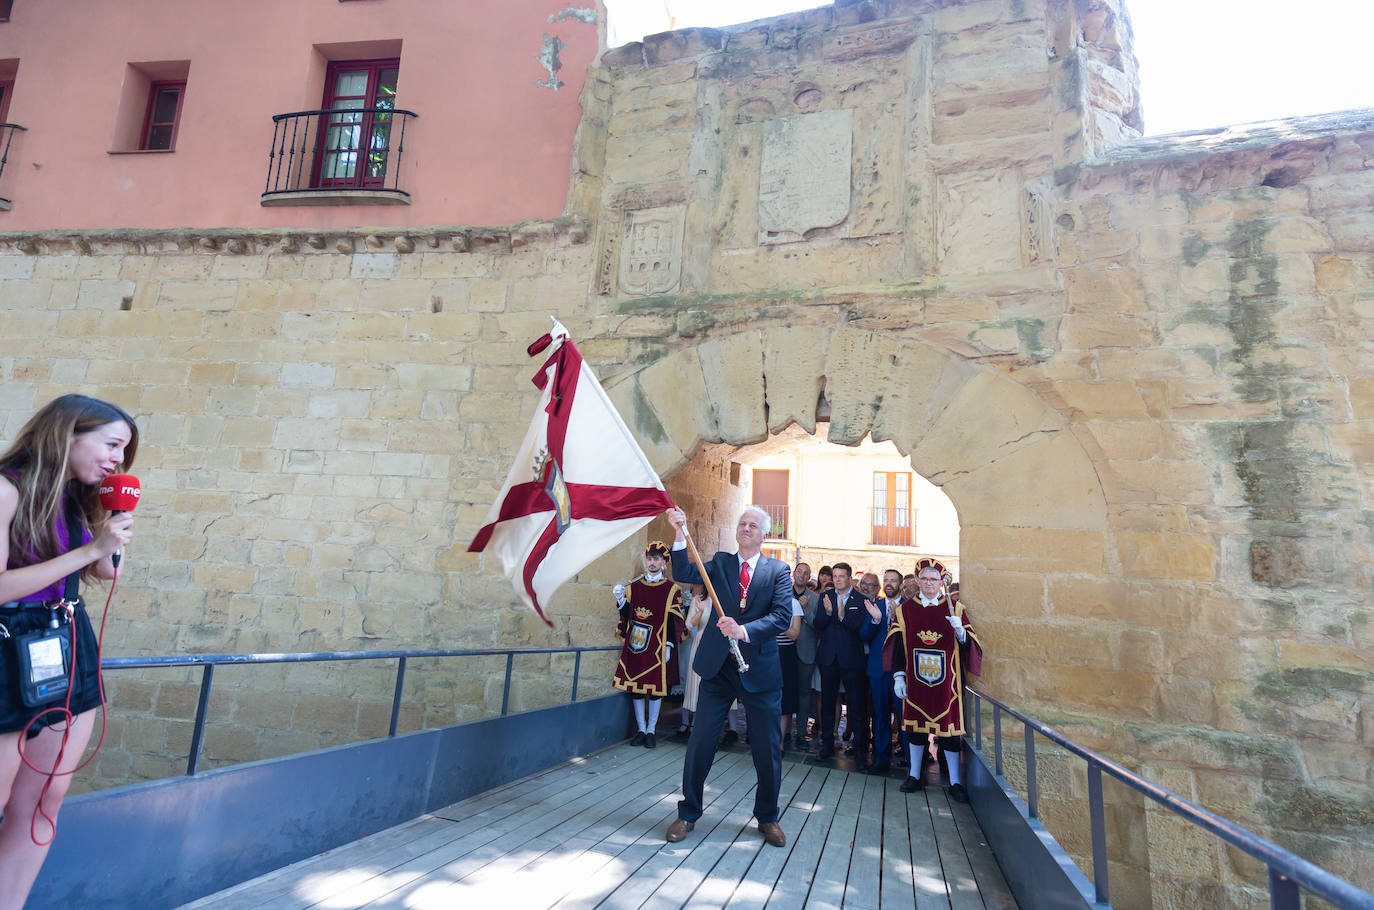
(899, 684)
(668, 654)
(959, 631)
(619, 592)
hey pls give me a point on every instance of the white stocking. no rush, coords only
(639, 715)
(654, 705)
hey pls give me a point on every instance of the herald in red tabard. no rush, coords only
(922, 644)
(651, 618)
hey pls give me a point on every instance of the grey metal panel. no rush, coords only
(1038, 871)
(164, 843)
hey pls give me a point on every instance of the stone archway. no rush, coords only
(1028, 495)
(1037, 558)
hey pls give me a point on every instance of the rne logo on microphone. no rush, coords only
(135, 492)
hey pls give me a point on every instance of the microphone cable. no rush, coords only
(64, 709)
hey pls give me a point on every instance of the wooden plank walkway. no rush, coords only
(589, 833)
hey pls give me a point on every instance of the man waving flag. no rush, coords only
(579, 486)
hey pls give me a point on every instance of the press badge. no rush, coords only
(44, 659)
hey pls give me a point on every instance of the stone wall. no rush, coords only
(1138, 368)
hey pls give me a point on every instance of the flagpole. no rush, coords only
(720, 611)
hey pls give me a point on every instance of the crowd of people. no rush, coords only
(867, 667)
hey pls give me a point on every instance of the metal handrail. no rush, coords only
(1287, 871)
(297, 157)
(210, 661)
(8, 130)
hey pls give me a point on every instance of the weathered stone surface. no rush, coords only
(1047, 484)
(793, 376)
(968, 435)
(804, 177)
(916, 389)
(733, 372)
(979, 223)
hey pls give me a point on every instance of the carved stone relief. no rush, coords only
(606, 262)
(651, 251)
(1037, 229)
(804, 179)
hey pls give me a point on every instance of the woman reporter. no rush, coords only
(55, 531)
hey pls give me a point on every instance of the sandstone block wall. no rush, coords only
(1138, 368)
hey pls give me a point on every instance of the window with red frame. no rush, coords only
(164, 114)
(355, 143)
(892, 509)
(770, 494)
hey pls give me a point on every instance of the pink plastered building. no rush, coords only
(153, 115)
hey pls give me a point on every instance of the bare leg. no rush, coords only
(20, 857)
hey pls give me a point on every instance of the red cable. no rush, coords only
(65, 709)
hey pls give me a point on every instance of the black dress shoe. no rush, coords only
(649, 742)
(730, 738)
(826, 752)
(879, 769)
(958, 793)
(912, 784)
(638, 739)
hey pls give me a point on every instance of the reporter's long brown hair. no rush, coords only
(37, 466)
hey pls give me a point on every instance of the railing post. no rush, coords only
(1283, 891)
(271, 156)
(198, 732)
(400, 151)
(977, 723)
(1032, 797)
(505, 691)
(396, 698)
(1099, 831)
(577, 670)
(997, 738)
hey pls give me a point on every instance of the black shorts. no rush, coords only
(85, 693)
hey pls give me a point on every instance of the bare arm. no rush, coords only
(16, 584)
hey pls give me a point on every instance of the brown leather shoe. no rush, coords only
(678, 830)
(772, 834)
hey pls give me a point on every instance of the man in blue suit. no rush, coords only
(756, 594)
(874, 634)
(840, 655)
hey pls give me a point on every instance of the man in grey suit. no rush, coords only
(806, 645)
(756, 593)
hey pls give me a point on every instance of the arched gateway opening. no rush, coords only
(1032, 514)
(1037, 562)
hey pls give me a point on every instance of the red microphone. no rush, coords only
(119, 493)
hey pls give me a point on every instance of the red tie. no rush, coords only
(743, 581)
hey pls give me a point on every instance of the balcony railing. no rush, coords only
(7, 131)
(337, 157)
(889, 527)
(777, 525)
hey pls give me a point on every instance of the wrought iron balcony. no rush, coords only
(7, 131)
(344, 156)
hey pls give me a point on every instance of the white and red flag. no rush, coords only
(579, 486)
